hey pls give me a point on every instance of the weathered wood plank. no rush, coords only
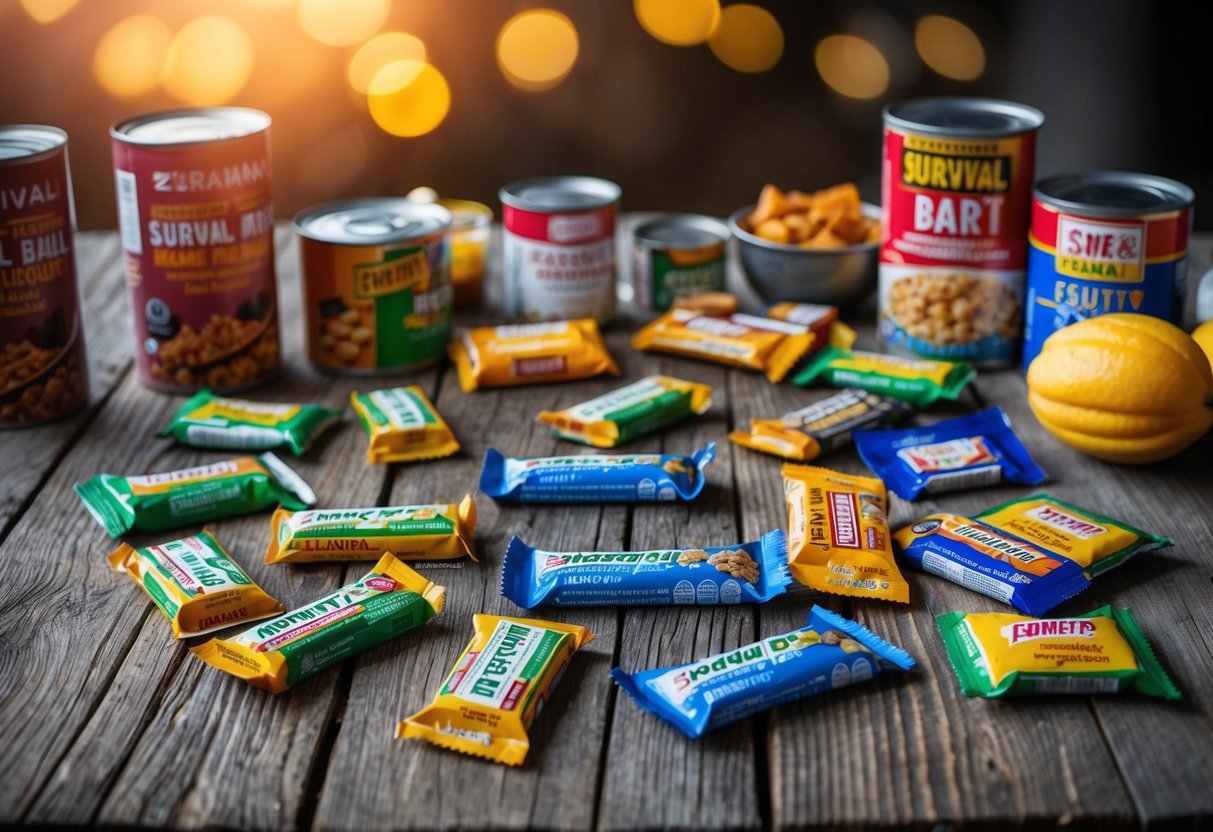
(31, 453)
(655, 777)
(370, 771)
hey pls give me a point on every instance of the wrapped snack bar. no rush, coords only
(209, 421)
(830, 652)
(999, 654)
(154, 502)
(387, 602)
(504, 356)
(402, 425)
(621, 415)
(821, 320)
(596, 478)
(969, 451)
(441, 531)
(838, 534)
(808, 432)
(772, 347)
(915, 380)
(499, 684)
(195, 584)
(748, 573)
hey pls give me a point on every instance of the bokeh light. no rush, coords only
(130, 56)
(408, 98)
(342, 22)
(380, 51)
(208, 62)
(852, 66)
(536, 49)
(678, 22)
(950, 47)
(748, 39)
(47, 11)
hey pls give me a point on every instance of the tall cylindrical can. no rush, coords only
(956, 184)
(197, 228)
(376, 284)
(676, 256)
(559, 248)
(1105, 241)
(43, 365)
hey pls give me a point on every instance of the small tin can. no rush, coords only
(376, 284)
(470, 232)
(197, 229)
(1105, 241)
(43, 366)
(956, 185)
(559, 248)
(676, 256)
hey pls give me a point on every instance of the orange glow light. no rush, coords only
(130, 55)
(949, 47)
(536, 49)
(342, 22)
(408, 98)
(47, 11)
(852, 66)
(748, 39)
(208, 62)
(380, 51)
(678, 22)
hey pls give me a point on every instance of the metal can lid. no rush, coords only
(1113, 193)
(963, 117)
(371, 222)
(550, 194)
(22, 141)
(681, 231)
(191, 126)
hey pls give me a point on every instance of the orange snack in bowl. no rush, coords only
(830, 218)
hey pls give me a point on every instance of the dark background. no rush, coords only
(1122, 85)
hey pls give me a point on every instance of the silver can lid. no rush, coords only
(191, 126)
(372, 221)
(681, 231)
(963, 117)
(550, 194)
(1113, 193)
(24, 141)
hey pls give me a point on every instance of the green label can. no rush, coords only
(675, 256)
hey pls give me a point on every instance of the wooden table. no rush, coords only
(104, 719)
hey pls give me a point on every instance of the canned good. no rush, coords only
(559, 248)
(43, 366)
(470, 231)
(1105, 241)
(376, 284)
(956, 182)
(197, 230)
(676, 256)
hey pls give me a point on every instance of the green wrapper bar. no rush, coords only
(209, 421)
(918, 381)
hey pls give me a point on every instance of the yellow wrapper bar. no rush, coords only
(1002, 654)
(621, 415)
(838, 534)
(386, 602)
(764, 344)
(505, 675)
(504, 356)
(195, 584)
(821, 320)
(430, 532)
(402, 425)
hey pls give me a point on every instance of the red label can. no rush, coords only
(197, 230)
(559, 248)
(956, 186)
(43, 366)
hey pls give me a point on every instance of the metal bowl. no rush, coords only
(782, 272)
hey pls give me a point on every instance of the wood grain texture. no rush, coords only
(30, 454)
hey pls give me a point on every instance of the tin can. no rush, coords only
(470, 233)
(676, 256)
(559, 248)
(1105, 241)
(956, 184)
(43, 365)
(197, 230)
(376, 284)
